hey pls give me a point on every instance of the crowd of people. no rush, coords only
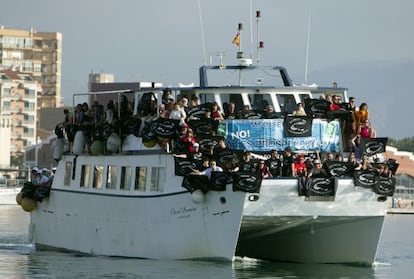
(42, 176)
(356, 126)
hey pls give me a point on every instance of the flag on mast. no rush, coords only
(236, 39)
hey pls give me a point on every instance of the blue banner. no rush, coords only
(268, 134)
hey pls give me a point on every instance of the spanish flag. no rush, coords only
(236, 39)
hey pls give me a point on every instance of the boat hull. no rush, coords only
(311, 240)
(280, 225)
(163, 227)
(162, 221)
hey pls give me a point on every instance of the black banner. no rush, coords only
(194, 182)
(183, 166)
(206, 126)
(372, 146)
(365, 178)
(207, 143)
(338, 168)
(197, 112)
(298, 126)
(219, 180)
(321, 186)
(246, 182)
(166, 128)
(253, 114)
(385, 186)
(226, 156)
(317, 107)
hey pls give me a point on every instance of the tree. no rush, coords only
(405, 144)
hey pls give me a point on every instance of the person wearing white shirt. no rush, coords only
(213, 167)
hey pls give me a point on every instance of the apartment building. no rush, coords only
(30, 79)
(18, 104)
(37, 53)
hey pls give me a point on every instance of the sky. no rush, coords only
(167, 41)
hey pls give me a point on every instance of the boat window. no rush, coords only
(85, 174)
(126, 175)
(226, 99)
(98, 177)
(287, 103)
(206, 98)
(259, 102)
(111, 177)
(303, 97)
(140, 178)
(155, 179)
(68, 173)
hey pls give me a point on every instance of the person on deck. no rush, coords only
(288, 161)
(207, 172)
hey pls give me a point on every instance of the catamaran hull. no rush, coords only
(280, 225)
(309, 239)
(171, 226)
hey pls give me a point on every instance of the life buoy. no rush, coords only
(97, 148)
(19, 198)
(28, 204)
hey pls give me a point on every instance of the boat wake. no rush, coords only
(380, 263)
(17, 243)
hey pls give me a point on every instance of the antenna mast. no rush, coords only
(202, 33)
(259, 43)
(251, 29)
(307, 48)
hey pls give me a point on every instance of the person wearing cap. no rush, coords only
(33, 174)
(52, 176)
(196, 156)
(40, 179)
(317, 170)
(45, 171)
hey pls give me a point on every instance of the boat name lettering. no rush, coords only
(182, 210)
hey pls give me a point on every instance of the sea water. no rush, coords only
(19, 259)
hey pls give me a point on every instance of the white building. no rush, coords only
(18, 103)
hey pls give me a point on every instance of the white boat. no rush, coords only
(340, 219)
(130, 201)
(133, 205)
